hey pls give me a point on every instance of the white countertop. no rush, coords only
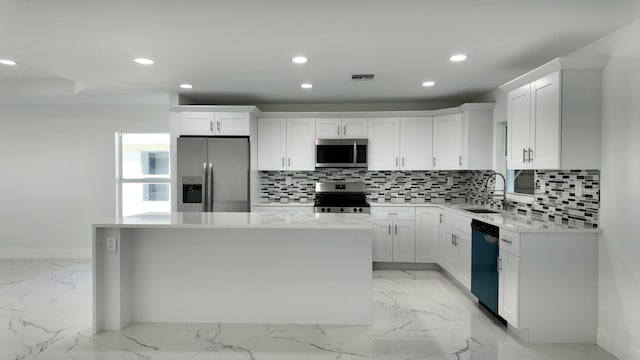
(504, 220)
(244, 220)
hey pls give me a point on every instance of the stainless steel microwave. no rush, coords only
(344, 153)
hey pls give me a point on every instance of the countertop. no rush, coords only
(504, 220)
(244, 220)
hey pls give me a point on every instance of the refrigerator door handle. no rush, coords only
(210, 192)
(204, 186)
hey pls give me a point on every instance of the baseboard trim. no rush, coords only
(404, 266)
(618, 346)
(13, 253)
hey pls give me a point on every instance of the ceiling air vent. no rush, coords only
(362, 77)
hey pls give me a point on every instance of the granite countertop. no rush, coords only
(508, 221)
(244, 220)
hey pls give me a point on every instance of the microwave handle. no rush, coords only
(355, 153)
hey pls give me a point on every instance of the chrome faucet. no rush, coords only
(493, 192)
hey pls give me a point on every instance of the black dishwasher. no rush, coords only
(484, 264)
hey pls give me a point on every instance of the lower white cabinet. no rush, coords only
(395, 236)
(427, 224)
(455, 247)
(508, 286)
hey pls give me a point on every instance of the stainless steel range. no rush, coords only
(341, 197)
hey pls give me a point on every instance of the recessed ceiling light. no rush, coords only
(458, 57)
(143, 61)
(306, 86)
(7, 62)
(428, 83)
(186, 86)
(299, 59)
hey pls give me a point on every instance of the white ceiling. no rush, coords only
(238, 52)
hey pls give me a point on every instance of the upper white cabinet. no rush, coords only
(554, 122)
(341, 128)
(463, 141)
(286, 144)
(400, 143)
(214, 123)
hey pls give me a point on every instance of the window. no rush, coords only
(520, 181)
(143, 174)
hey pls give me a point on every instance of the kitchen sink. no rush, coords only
(482, 211)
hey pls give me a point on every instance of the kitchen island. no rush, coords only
(279, 268)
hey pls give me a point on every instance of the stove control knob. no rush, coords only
(322, 209)
(355, 210)
(341, 209)
(328, 209)
(360, 210)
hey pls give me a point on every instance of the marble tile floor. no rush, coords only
(45, 313)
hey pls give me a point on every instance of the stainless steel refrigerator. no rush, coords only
(213, 174)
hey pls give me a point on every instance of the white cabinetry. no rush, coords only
(554, 122)
(286, 144)
(427, 226)
(463, 141)
(395, 236)
(341, 128)
(214, 123)
(455, 246)
(400, 143)
(548, 284)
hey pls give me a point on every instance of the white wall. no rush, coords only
(619, 247)
(58, 172)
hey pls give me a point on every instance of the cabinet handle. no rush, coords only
(507, 241)
(434, 161)
(403, 161)
(452, 241)
(344, 130)
(338, 130)
(283, 162)
(396, 228)
(218, 125)
(441, 218)
(289, 162)
(530, 155)
(460, 160)
(389, 229)
(524, 155)
(211, 126)
(499, 264)
(396, 162)
(392, 213)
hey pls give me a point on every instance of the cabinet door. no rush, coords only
(383, 242)
(427, 244)
(518, 123)
(301, 134)
(404, 241)
(354, 128)
(448, 252)
(197, 123)
(545, 123)
(416, 139)
(272, 137)
(232, 123)
(447, 142)
(384, 136)
(509, 287)
(328, 128)
(463, 244)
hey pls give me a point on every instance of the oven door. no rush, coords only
(341, 153)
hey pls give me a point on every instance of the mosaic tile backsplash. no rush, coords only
(558, 202)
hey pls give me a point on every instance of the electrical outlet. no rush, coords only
(112, 243)
(578, 185)
(450, 180)
(542, 186)
(287, 180)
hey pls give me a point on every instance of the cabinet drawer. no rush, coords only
(510, 242)
(394, 213)
(458, 222)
